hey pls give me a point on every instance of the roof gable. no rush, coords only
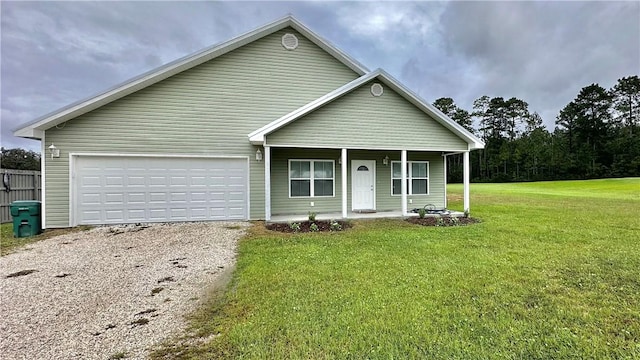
(36, 128)
(258, 137)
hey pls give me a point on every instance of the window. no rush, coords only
(417, 178)
(311, 178)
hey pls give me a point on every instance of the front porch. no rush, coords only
(353, 215)
(353, 183)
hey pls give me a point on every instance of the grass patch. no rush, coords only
(9, 244)
(551, 272)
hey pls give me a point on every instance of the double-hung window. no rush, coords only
(311, 178)
(417, 177)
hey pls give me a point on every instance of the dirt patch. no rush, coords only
(154, 291)
(139, 322)
(308, 226)
(443, 221)
(21, 273)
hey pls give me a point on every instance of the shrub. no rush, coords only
(335, 226)
(440, 221)
(313, 227)
(312, 216)
(295, 226)
(422, 212)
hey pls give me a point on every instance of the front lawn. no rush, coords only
(552, 272)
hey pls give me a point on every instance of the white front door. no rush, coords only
(363, 178)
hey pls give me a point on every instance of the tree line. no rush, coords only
(19, 159)
(596, 135)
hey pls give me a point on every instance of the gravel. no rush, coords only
(109, 291)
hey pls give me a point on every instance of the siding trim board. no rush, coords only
(43, 195)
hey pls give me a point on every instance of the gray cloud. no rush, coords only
(55, 53)
(543, 52)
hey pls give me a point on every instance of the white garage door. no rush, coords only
(117, 190)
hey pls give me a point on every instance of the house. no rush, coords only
(274, 122)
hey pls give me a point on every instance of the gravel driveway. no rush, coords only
(109, 290)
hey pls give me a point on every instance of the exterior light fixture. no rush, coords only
(385, 160)
(258, 155)
(55, 152)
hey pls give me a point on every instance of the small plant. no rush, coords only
(440, 221)
(313, 227)
(312, 216)
(466, 213)
(422, 212)
(335, 226)
(454, 221)
(294, 226)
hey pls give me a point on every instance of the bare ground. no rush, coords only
(109, 291)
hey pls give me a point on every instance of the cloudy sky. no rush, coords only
(55, 53)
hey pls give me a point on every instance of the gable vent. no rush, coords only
(376, 89)
(289, 41)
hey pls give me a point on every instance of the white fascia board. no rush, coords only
(69, 112)
(29, 133)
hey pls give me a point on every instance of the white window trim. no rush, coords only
(312, 178)
(410, 177)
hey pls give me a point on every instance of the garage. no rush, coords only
(132, 189)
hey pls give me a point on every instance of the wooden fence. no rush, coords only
(23, 185)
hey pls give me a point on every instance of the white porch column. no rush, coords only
(343, 168)
(267, 183)
(445, 158)
(465, 180)
(403, 185)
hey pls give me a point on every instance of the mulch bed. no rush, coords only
(443, 221)
(305, 226)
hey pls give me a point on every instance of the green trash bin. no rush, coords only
(26, 218)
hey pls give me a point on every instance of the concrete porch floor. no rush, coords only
(352, 215)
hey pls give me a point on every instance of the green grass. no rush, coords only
(9, 244)
(552, 272)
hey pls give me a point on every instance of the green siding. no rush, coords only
(281, 204)
(207, 110)
(362, 121)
